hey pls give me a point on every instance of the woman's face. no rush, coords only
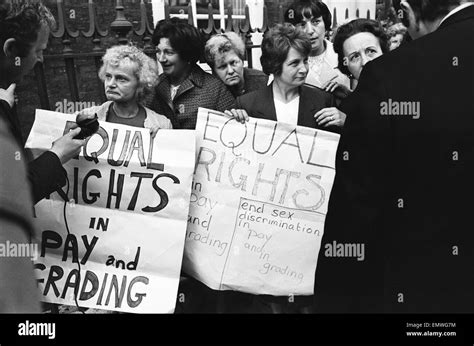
(121, 84)
(360, 49)
(169, 59)
(396, 41)
(315, 29)
(229, 68)
(294, 69)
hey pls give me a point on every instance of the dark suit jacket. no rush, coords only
(404, 186)
(45, 173)
(259, 104)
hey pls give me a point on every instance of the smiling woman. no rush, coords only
(184, 86)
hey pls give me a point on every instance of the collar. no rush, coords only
(196, 77)
(455, 10)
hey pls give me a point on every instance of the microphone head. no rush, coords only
(88, 126)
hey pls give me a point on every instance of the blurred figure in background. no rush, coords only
(397, 34)
(225, 54)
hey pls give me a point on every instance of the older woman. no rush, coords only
(356, 43)
(225, 55)
(285, 51)
(129, 76)
(184, 86)
(314, 18)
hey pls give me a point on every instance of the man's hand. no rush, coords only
(9, 94)
(67, 147)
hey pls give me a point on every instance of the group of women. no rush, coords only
(304, 78)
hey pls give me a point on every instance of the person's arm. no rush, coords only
(239, 113)
(330, 116)
(46, 173)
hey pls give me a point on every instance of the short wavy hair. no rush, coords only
(301, 9)
(146, 71)
(223, 43)
(397, 29)
(184, 38)
(352, 28)
(22, 21)
(277, 43)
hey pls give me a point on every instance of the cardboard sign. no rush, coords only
(122, 245)
(258, 204)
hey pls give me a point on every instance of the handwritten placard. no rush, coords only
(122, 245)
(258, 204)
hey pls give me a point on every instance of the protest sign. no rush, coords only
(122, 246)
(258, 204)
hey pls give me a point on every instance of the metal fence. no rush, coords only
(124, 31)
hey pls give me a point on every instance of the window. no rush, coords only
(179, 8)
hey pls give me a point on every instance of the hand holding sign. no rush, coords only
(266, 185)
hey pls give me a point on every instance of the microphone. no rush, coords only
(61, 193)
(88, 126)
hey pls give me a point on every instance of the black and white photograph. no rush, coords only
(302, 170)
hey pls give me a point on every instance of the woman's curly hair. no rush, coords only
(223, 43)
(146, 71)
(352, 28)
